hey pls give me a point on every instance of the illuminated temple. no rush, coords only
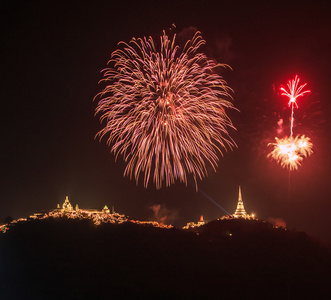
(240, 211)
(98, 217)
(68, 211)
(193, 225)
(68, 208)
(106, 216)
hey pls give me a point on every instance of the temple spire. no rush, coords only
(66, 206)
(240, 211)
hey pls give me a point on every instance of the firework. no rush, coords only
(164, 108)
(293, 93)
(289, 152)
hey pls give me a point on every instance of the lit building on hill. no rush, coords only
(97, 216)
(106, 210)
(192, 224)
(67, 210)
(66, 206)
(240, 212)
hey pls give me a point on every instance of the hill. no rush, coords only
(230, 259)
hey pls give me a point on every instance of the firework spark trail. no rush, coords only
(164, 109)
(293, 93)
(290, 151)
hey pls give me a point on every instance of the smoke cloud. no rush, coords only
(280, 126)
(164, 215)
(280, 222)
(223, 49)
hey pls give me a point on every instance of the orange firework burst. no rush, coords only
(165, 109)
(289, 152)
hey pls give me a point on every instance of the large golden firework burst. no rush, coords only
(164, 109)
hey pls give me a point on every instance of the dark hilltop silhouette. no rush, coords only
(224, 259)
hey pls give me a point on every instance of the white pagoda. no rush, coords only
(240, 211)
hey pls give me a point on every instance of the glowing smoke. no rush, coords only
(164, 215)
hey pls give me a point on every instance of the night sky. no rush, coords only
(52, 54)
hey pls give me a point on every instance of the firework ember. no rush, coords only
(164, 108)
(289, 152)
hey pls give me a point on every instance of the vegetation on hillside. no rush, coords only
(231, 259)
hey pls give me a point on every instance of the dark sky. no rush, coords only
(52, 53)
